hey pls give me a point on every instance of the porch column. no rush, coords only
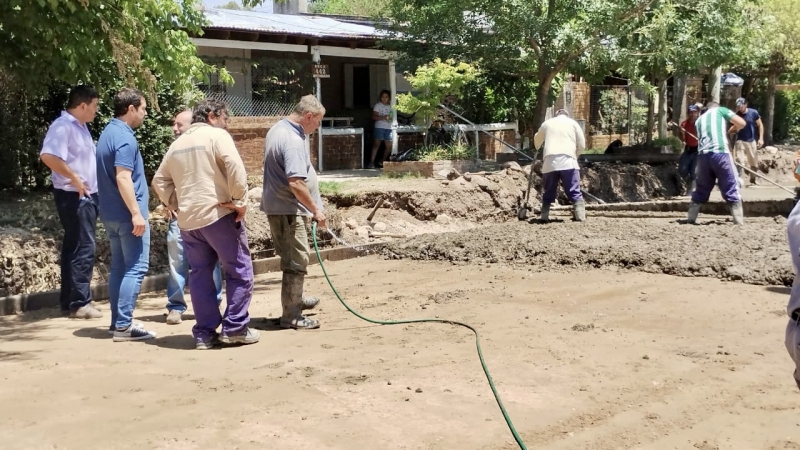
(316, 58)
(393, 89)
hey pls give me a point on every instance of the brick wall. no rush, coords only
(338, 152)
(602, 140)
(406, 141)
(248, 133)
(489, 147)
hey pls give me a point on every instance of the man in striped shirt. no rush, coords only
(714, 161)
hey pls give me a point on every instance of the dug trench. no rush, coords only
(464, 205)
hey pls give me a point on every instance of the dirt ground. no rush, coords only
(600, 359)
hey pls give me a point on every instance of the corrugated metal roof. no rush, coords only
(304, 25)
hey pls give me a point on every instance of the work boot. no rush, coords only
(86, 312)
(737, 211)
(292, 303)
(545, 212)
(579, 211)
(694, 209)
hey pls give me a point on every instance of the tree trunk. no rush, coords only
(747, 88)
(714, 84)
(769, 113)
(662, 109)
(679, 105)
(542, 99)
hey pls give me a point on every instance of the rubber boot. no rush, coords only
(694, 209)
(579, 211)
(545, 212)
(690, 188)
(737, 211)
(292, 303)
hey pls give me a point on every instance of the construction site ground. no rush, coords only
(583, 358)
(632, 330)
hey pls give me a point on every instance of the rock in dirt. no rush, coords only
(512, 165)
(444, 173)
(254, 195)
(467, 177)
(379, 227)
(362, 232)
(480, 181)
(771, 150)
(351, 224)
(443, 219)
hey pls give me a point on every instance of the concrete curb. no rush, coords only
(15, 304)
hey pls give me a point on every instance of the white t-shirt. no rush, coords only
(552, 163)
(382, 110)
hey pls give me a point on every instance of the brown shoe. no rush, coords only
(174, 317)
(86, 312)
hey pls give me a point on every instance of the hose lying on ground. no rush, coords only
(401, 322)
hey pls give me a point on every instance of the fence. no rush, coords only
(271, 87)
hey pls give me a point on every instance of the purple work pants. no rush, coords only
(710, 168)
(570, 181)
(225, 241)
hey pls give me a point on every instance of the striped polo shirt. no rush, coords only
(712, 130)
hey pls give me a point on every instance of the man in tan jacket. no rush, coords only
(203, 178)
(563, 142)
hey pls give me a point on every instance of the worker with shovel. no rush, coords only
(747, 142)
(563, 142)
(715, 163)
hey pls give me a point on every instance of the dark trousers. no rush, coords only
(570, 181)
(716, 168)
(78, 216)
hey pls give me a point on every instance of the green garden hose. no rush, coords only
(448, 322)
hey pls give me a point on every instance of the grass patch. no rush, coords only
(331, 188)
(401, 175)
(455, 152)
(593, 151)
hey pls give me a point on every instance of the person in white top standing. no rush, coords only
(563, 142)
(382, 115)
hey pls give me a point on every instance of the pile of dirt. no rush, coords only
(30, 259)
(755, 253)
(778, 162)
(613, 182)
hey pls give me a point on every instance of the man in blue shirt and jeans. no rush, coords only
(746, 138)
(68, 151)
(123, 209)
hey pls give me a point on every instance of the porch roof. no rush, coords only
(309, 26)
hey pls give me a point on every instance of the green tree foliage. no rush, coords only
(362, 8)
(526, 39)
(73, 40)
(432, 83)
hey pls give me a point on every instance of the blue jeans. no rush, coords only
(78, 216)
(130, 259)
(687, 165)
(179, 271)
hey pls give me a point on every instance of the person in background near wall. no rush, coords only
(68, 151)
(123, 204)
(291, 195)
(688, 161)
(747, 141)
(563, 142)
(382, 115)
(178, 263)
(203, 178)
(714, 162)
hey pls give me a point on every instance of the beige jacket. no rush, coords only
(561, 136)
(201, 169)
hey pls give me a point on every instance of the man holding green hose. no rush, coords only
(291, 196)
